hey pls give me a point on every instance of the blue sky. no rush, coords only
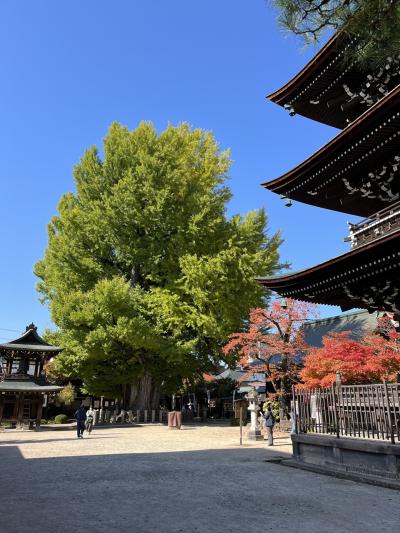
(69, 69)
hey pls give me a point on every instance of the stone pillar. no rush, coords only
(254, 431)
(145, 415)
(138, 416)
(153, 416)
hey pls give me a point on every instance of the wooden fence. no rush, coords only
(151, 416)
(106, 416)
(365, 411)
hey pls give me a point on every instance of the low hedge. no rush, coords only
(61, 419)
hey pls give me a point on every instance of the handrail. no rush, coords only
(379, 216)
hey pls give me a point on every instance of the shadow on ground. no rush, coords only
(228, 490)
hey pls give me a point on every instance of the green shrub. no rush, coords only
(6, 425)
(43, 422)
(236, 422)
(61, 419)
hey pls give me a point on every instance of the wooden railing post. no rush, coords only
(294, 410)
(335, 409)
(390, 417)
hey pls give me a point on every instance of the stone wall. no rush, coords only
(358, 458)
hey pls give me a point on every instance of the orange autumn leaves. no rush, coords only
(367, 360)
(273, 342)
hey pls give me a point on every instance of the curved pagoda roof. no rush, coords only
(331, 91)
(367, 277)
(30, 342)
(354, 173)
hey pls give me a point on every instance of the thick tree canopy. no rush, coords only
(144, 274)
(374, 23)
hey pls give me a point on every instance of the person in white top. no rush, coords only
(89, 420)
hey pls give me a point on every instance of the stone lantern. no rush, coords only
(254, 432)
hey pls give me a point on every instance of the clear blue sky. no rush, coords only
(70, 68)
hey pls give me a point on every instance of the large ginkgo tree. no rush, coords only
(144, 273)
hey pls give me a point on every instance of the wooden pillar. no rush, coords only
(39, 411)
(20, 409)
(1, 406)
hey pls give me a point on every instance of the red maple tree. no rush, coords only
(272, 344)
(372, 358)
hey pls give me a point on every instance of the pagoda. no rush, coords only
(358, 172)
(23, 385)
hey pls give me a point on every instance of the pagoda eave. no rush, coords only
(335, 91)
(315, 73)
(367, 277)
(338, 176)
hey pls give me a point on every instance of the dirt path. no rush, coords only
(151, 479)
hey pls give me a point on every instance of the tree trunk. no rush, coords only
(285, 388)
(155, 400)
(143, 395)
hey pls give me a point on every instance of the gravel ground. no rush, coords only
(151, 479)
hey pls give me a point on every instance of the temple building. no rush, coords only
(23, 385)
(358, 172)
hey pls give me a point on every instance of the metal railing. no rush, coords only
(364, 411)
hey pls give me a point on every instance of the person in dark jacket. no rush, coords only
(80, 416)
(269, 425)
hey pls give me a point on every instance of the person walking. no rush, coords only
(269, 425)
(89, 420)
(80, 416)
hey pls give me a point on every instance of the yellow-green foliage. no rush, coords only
(143, 271)
(67, 395)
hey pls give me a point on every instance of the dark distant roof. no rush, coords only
(234, 375)
(30, 341)
(358, 323)
(28, 384)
